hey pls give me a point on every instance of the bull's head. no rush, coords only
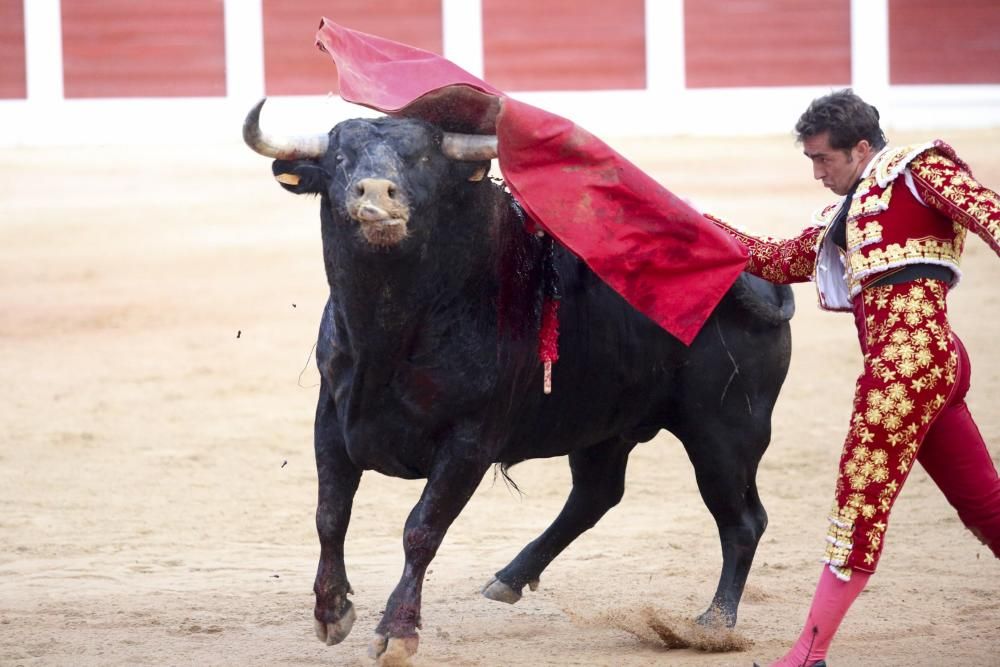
(377, 172)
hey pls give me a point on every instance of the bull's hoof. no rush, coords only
(716, 617)
(501, 592)
(394, 651)
(334, 633)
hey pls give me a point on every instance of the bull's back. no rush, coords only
(620, 375)
(613, 378)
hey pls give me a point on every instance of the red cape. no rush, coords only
(656, 251)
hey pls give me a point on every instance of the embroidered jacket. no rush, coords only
(913, 205)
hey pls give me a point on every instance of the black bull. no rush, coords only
(427, 352)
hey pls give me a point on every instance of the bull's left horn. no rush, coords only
(282, 148)
(469, 147)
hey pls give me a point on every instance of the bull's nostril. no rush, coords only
(392, 191)
(359, 189)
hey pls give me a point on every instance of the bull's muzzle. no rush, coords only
(380, 209)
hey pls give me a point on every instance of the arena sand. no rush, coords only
(157, 312)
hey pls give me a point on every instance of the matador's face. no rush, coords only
(837, 168)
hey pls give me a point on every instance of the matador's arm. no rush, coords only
(779, 261)
(946, 184)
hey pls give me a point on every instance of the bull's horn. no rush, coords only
(282, 148)
(469, 147)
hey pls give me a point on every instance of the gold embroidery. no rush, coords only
(951, 189)
(914, 251)
(869, 205)
(861, 236)
(888, 164)
(777, 260)
(841, 531)
(905, 332)
(868, 255)
(825, 215)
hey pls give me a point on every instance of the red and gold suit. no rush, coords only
(910, 210)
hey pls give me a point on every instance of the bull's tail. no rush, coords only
(770, 303)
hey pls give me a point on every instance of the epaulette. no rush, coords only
(824, 216)
(891, 162)
(942, 153)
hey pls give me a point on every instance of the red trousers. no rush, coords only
(909, 404)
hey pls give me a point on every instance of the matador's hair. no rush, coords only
(847, 118)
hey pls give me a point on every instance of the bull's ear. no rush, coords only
(473, 171)
(299, 176)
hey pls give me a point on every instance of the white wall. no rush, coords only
(665, 107)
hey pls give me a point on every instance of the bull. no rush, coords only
(428, 364)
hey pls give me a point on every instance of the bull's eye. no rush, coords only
(339, 157)
(424, 159)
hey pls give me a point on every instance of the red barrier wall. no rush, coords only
(735, 43)
(122, 48)
(294, 66)
(944, 41)
(564, 44)
(13, 79)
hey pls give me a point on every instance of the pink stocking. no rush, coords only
(830, 603)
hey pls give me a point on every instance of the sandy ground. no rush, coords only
(157, 311)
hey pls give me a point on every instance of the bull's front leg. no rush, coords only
(450, 484)
(338, 482)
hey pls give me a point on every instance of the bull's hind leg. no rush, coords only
(598, 485)
(725, 465)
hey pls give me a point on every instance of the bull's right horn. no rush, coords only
(469, 147)
(282, 148)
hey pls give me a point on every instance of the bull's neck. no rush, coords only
(383, 295)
